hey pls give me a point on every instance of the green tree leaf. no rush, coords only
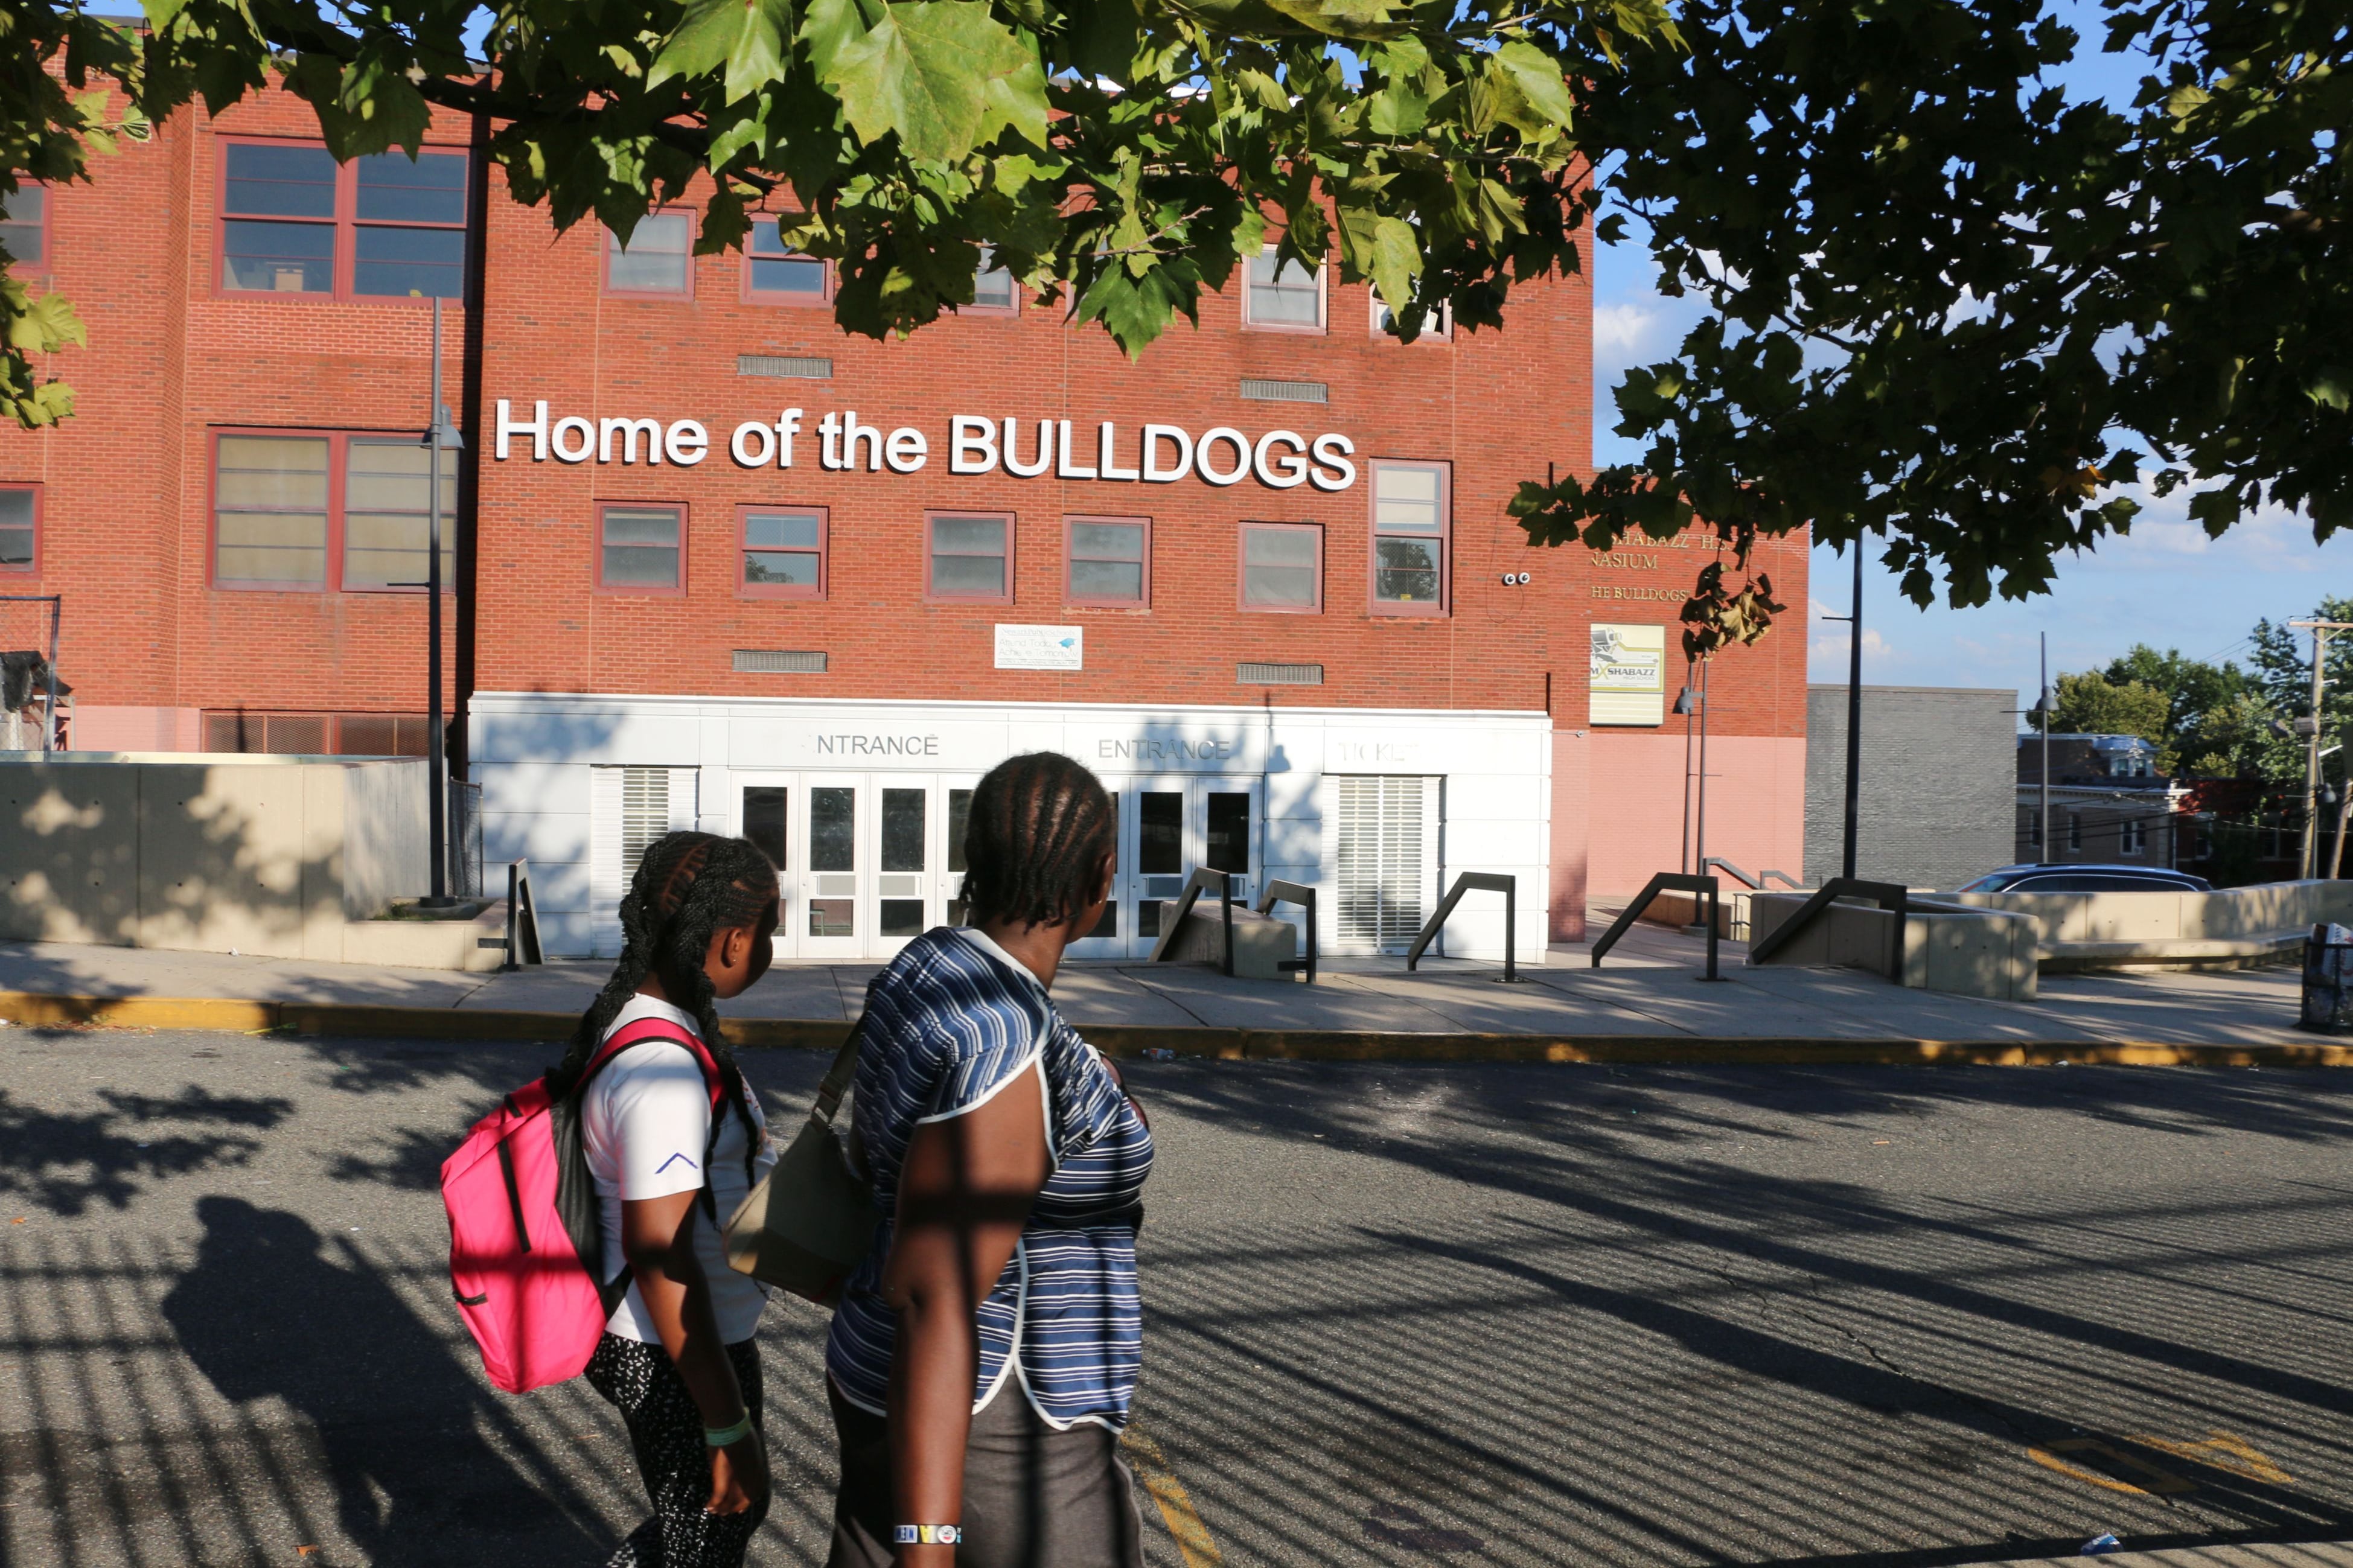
(943, 74)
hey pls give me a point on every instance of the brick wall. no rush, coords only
(1938, 792)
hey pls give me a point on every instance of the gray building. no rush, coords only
(1939, 784)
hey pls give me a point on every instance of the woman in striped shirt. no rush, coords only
(982, 1357)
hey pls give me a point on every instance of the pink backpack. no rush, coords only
(526, 1246)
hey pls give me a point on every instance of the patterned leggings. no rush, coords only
(666, 1430)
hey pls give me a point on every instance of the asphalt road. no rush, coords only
(1506, 1314)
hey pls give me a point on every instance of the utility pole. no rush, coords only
(1700, 847)
(2320, 630)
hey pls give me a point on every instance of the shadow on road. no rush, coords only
(271, 1309)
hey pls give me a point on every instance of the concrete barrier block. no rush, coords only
(1261, 944)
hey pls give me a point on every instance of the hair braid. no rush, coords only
(1039, 828)
(687, 888)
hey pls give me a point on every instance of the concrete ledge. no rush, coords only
(2182, 953)
(1228, 1044)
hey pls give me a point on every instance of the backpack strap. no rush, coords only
(646, 1030)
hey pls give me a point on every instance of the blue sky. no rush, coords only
(2166, 584)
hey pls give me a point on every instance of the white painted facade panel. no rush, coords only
(857, 798)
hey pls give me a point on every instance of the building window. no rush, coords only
(2075, 831)
(317, 735)
(24, 226)
(272, 510)
(1283, 567)
(384, 226)
(325, 511)
(1410, 528)
(1284, 296)
(2130, 837)
(994, 290)
(387, 519)
(1109, 561)
(775, 274)
(2034, 827)
(784, 552)
(1437, 326)
(658, 260)
(971, 556)
(640, 548)
(20, 528)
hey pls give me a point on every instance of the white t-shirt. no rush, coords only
(644, 1125)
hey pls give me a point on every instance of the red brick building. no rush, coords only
(717, 562)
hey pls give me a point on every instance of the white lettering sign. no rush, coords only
(878, 745)
(1040, 647)
(1098, 450)
(1159, 751)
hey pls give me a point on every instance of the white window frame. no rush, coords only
(1322, 300)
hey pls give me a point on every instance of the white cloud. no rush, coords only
(1622, 330)
(1827, 642)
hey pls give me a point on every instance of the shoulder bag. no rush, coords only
(810, 1222)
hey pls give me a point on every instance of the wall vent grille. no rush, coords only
(1286, 390)
(777, 661)
(1278, 675)
(785, 365)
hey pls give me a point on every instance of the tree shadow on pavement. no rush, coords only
(271, 1309)
(66, 1161)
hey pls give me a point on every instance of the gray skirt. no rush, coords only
(1033, 1496)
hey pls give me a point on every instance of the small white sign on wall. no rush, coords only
(1042, 647)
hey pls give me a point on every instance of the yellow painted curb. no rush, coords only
(1226, 1045)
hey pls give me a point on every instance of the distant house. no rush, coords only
(2108, 802)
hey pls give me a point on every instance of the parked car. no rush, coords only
(2075, 878)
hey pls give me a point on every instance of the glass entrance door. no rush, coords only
(864, 861)
(1168, 827)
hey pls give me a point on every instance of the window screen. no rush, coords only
(24, 226)
(1283, 566)
(270, 517)
(658, 258)
(17, 514)
(969, 557)
(1109, 560)
(1283, 295)
(640, 546)
(387, 524)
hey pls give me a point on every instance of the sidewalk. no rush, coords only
(1647, 1004)
(2318, 1555)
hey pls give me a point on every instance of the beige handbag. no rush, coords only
(810, 1222)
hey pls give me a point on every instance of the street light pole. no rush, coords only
(2046, 858)
(437, 796)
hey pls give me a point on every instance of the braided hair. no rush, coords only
(687, 888)
(1039, 828)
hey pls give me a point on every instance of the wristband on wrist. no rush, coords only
(929, 1535)
(725, 1436)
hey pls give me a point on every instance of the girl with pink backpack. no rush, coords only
(586, 1213)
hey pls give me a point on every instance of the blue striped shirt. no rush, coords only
(950, 1022)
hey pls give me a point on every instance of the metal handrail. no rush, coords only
(1280, 892)
(1488, 881)
(1665, 881)
(1754, 884)
(1202, 880)
(1890, 896)
(521, 938)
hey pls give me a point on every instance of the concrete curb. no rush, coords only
(1229, 1045)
